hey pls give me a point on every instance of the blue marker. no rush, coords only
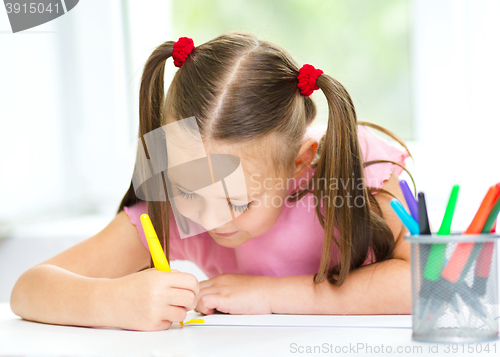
(405, 217)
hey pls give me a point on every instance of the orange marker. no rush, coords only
(462, 252)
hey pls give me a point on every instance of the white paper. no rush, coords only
(277, 320)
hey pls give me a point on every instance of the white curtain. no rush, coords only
(456, 76)
(69, 108)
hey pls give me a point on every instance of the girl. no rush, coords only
(315, 236)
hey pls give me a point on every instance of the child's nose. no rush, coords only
(214, 214)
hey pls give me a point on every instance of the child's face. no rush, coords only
(230, 190)
(265, 193)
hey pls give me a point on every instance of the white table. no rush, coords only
(19, 337)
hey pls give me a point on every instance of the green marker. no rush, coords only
(436, 256)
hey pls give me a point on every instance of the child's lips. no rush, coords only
(226, 234)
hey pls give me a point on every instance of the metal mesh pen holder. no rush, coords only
(454, 287)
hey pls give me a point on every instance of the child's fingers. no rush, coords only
(207, 291)
(183, 281)
(211, 302)
(206, 305)
(161, 325)
(206, 283)
(183, 298)
(173, 313)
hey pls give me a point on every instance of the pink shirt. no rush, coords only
(293, 246)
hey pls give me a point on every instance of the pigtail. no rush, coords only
(151, 98)
(345, 212)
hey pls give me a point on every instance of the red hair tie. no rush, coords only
(182, 49)
(308, 75)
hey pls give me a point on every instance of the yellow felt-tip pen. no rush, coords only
(159, 259)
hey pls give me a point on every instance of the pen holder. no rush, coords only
(454, 287)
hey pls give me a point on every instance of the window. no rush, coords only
(365, 45)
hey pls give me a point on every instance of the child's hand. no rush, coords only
(235, 294)
(151, 300)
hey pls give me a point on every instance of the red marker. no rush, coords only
(483, 265)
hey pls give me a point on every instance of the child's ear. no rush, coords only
(306, 155)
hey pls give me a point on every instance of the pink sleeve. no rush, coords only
(134, 213)
(373, 148)
(370, 257)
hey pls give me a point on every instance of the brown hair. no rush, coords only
(240, 88)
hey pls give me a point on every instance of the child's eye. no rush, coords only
(191, 195)
(241, 208)
(185, 194)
